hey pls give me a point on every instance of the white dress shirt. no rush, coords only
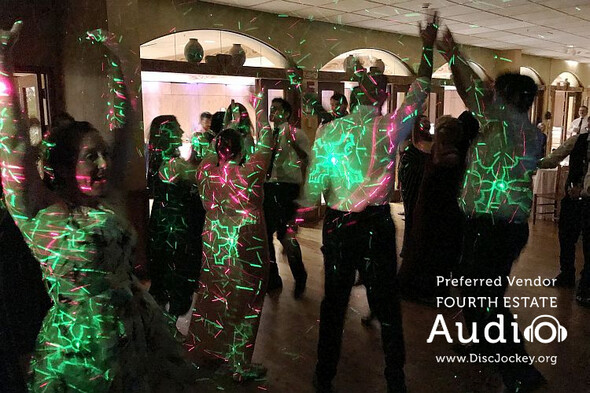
(578, 126)
(286, 164)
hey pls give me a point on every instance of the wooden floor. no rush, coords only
(287, 338)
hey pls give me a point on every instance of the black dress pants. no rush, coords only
(365, 242)
(279, 209)
(574, 218)
(489, 250)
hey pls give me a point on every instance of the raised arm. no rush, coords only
(121, 117)
(313, 107)
(475, 93)
(401, 122)
(24, 191)
(260, 160)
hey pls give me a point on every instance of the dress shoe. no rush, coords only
(398, 389)
(274, 283)
(322, 386)
(300, 287)
(396, 382)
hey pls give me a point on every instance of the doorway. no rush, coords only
(34, 103)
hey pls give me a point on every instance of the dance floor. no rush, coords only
(287, 338)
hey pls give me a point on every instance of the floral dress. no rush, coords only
(104, 332)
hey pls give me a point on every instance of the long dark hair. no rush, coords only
(164, 130)
(228, 144)
(61, 149)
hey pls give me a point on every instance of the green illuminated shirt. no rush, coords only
(502, 161)
(352, 161)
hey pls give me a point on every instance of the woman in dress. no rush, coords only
(235, 253)
(104, 332)
(237, 118)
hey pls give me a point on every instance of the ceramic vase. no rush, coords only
(238, 55)
(193, 51)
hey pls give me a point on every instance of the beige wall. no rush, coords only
(52, 29)
(315, 43)
(188, 101)
(312, 43)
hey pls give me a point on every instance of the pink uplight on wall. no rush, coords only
(4, 89)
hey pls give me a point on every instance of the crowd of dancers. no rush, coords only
(216, 208)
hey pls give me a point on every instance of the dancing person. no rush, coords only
(412, 158)
(202, 139)
(434, 246)
(176, 221)
(338, 107)
(235, 252)
(282, 187)
(496, 199)
(236, 117)
(574, 214)
(352, 166)
(205, 122)
(104, 332)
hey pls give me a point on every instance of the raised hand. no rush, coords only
(101, 36)
(294, 73)
(447, 44)
(428, 34)
(107, 39)
(232, 113)
(261, 113)
(8, 38)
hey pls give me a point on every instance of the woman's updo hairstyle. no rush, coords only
(61, 149)
(228, 144)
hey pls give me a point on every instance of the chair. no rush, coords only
(553, 197)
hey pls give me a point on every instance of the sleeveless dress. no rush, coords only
(235, 260)
(104, 332)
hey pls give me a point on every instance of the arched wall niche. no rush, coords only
(566, 78)
(394, 65)
(213, 41)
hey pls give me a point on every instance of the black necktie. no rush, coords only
(274, 153)
(580, 125)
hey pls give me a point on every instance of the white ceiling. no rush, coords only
(551, 28)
